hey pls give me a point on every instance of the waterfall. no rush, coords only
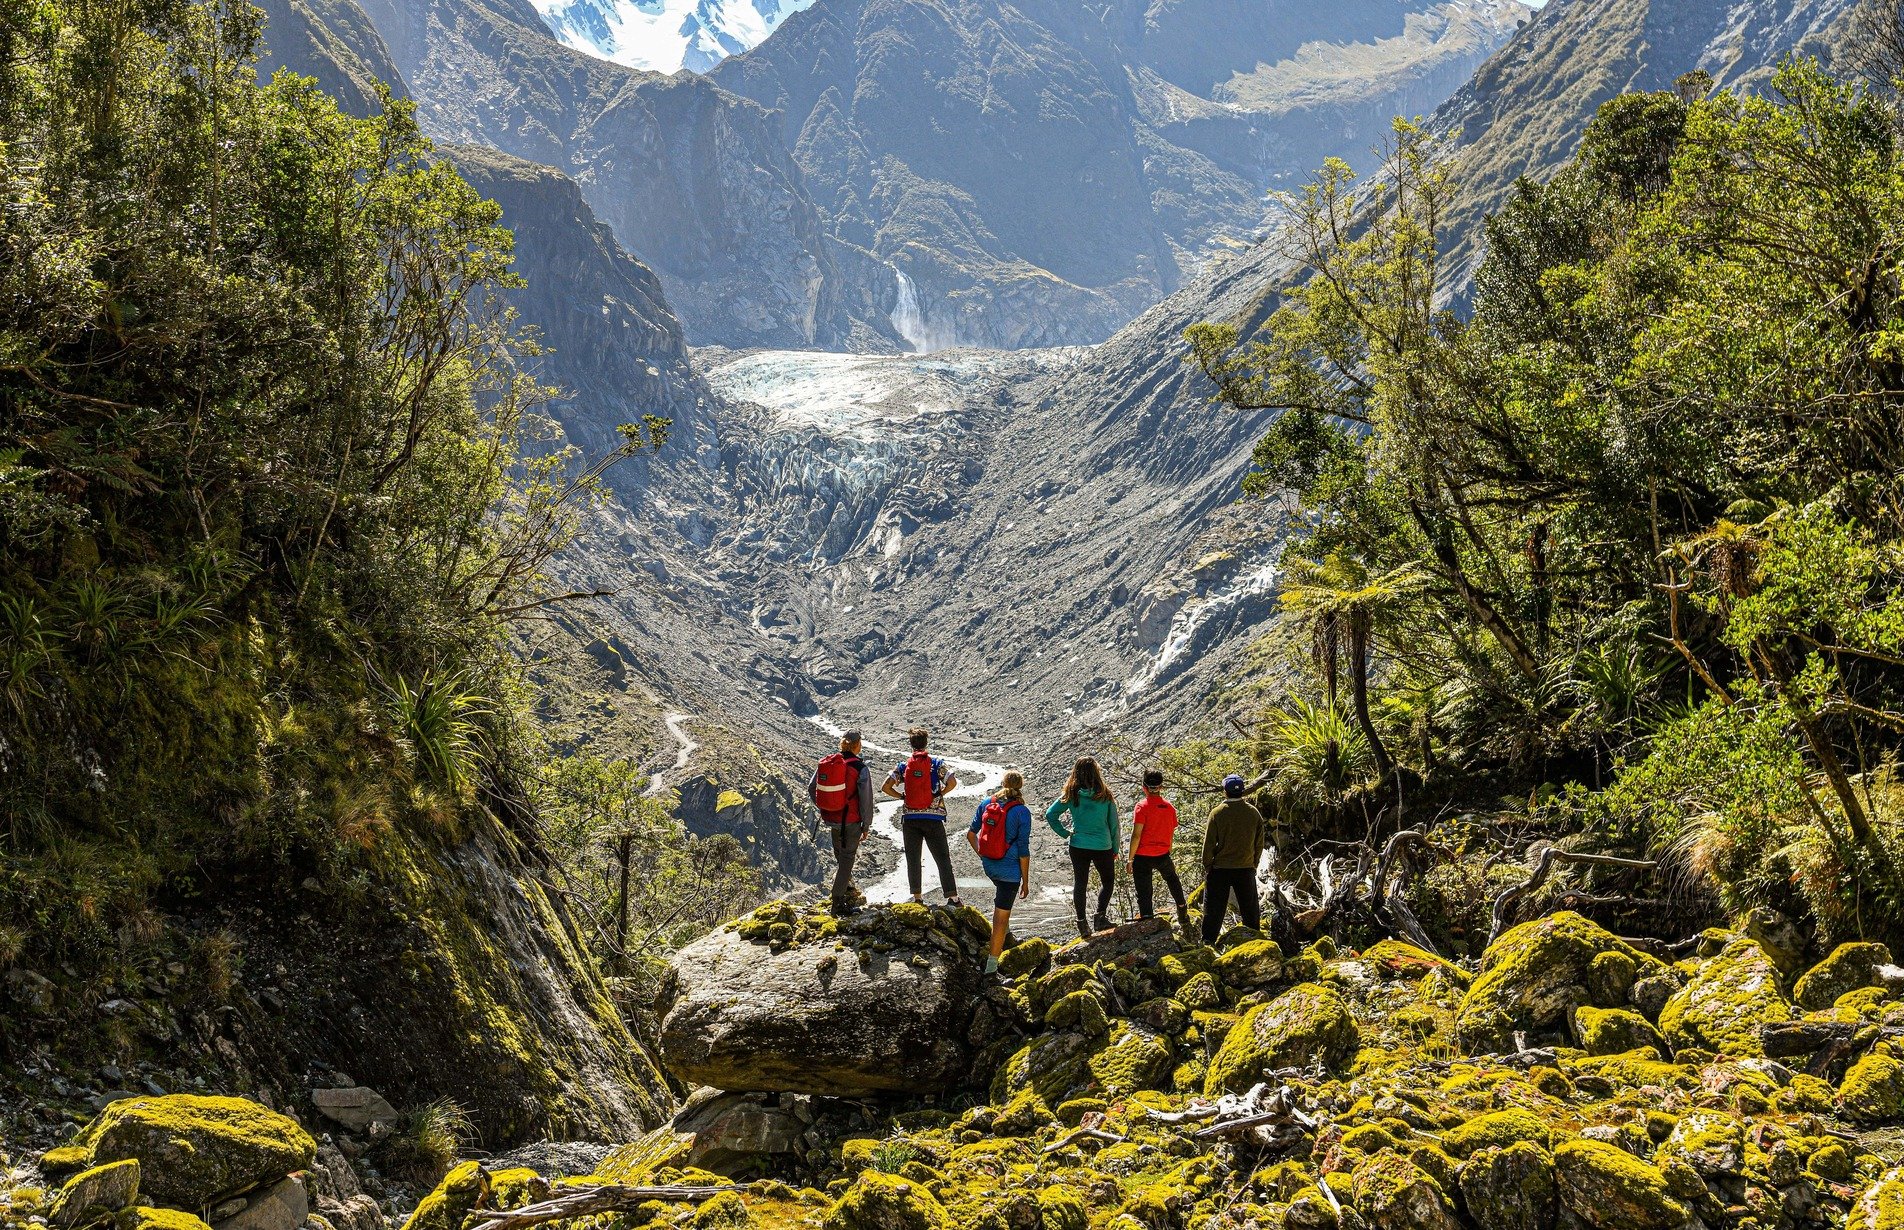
(910, 319)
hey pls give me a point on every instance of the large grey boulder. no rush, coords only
(889, 1001)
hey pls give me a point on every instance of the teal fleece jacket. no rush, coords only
(1093, 821)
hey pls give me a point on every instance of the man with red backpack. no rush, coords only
(843, 791)
(921, 783)
(1001, 837)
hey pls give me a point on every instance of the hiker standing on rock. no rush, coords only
(1001, 837)
(843, 791)
(1232, 847)
(1153, 832)
(921, 783)
(1093, 839)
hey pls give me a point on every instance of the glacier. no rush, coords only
(665, 36)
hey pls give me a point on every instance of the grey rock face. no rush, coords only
(282, 1206)
(890, 1011)
(356, 1108)
(335, 42)
(692, 179)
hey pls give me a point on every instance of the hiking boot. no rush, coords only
(844, 909)
(1184, 924)
(1084, 929)
(1102, 923)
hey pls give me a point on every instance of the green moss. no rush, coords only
(95, 1194)
(158, 1219)
(1497, 1129)
(1881, 1207)
(1304, 1025)
(724, 1210)
(1613, 1031)
(1722, 1007)
(1134, 1057)
(1052, 1065)
(1849, 967)
(1082, 1010)
(1873, 1091)
(1393, 1192)
(1060, 1208)
(1610, 979)
(1609, 1188)
(1640, 1069)
(1200, 993)
(65, 1160)
(1024, 1115)
(1072, 1113)
(912, 914)
(462, 1190)
(1026, 958)
(878, 1201)
(193, 1150)
(1830, 1161)
(1534, 976)
(1057, 984)
(516, 1186)
(1180, 967)
(1712, 1144)
(1252, 964)
(1309, 1209)
(1863, 1004)
(1510, 1187)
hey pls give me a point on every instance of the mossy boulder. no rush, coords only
(1723, 1006)
(96, 1194)
(1022, 1116)
(1029, 957)
(144, 1218)
(1308, 1024)
(1134, 1057)
(1872, 1092)
(1200, 992)
(1058, 983)
(1849, 967)
(1254, 963)
(1881, 1207)
(1394, 1193)
(1610, 1189)
(193, 1151)
(1497, 1129)
(725, 1210)
(1395, 959)
(1712, 1144)
(1610, 979)
(1612, 1031)
(1510, 1187)
(1052, 1065)
(1533, 977)
(879, 1201)
(462, 1190)
(1060, 1208)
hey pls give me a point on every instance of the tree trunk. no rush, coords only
(1358, 682)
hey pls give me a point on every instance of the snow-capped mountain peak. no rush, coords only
(665, 35)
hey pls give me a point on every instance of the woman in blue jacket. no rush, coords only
(1003, 825)
(1092, 836)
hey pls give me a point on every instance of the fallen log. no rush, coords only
(596, 1198)
(1508, 898)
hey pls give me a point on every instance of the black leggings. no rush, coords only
(1218, 884)
(1141, 867)
(931, 833)
(1081, 863)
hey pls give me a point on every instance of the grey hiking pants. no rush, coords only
(846, 839)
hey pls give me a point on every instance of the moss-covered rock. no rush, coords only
(144, 1218)
(1533, 977)
(1873, 1091)
(1712, 1144)
(1611, 1031)
(1029, 957)
(1395, 959)
(726, 1210)
(1610, 979)
(1166, 1016)
(1607, 1187)
(96, 1194)
(1200, 992)
(462, 1190)
(1510, 1187)
(1134, 1057)
(515, 1186)
(1023, 1115)
(1052, 1065)
(1307, 1024)
(1060, 1208)
(1497, 1129)
(1309, 1209)
(1082, 1010)
(1724, 1004)
(1849, 967)
(1058, 983)
(1881, 1207)
(1253, 963)
(1830, 1160)
(1394, 1193)
(193, 1151)
(878, 1201)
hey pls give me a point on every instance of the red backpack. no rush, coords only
(921, 783)
(992, 840)
(836, 789)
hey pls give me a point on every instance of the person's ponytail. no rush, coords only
(1012, 786)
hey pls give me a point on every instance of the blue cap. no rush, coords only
(1233, 785)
